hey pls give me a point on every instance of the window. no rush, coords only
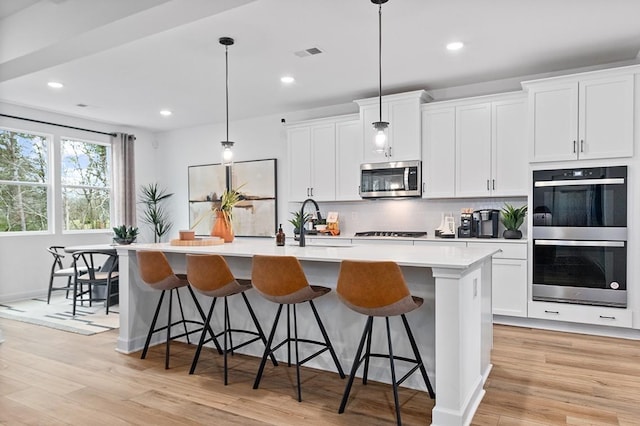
(24, 181)
(86, 185)
(49, 184)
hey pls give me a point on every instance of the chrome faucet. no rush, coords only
(302, 222)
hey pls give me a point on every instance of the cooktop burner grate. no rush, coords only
(406, 234)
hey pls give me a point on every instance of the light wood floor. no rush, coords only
(539, 378)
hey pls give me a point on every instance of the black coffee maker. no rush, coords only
(485, 223)
(465, 230)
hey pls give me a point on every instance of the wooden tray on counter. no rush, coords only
(197, 242)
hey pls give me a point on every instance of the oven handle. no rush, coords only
(609, 181)
(581, 243)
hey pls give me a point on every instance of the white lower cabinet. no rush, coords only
(509, 278)
(509, 288)
(599, 315)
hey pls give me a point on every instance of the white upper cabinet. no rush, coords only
(473, 150)
(474, 147)
(312, 168)
(324, 159)
(402, 111)
(586, 116)
(348, 160)
(438, 151)
(509, 166)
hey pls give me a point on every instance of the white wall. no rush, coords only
(24, 262)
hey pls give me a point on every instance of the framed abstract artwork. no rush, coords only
(256, 213)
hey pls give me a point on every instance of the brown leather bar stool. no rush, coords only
(378, 289)
(156, 272)
(280, 279)
(210, 275)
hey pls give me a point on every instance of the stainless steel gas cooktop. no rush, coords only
(405, 234)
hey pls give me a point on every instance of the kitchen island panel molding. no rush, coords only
(455, 321)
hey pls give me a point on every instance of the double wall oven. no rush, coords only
(580, 236)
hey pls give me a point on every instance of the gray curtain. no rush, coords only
(124, 184)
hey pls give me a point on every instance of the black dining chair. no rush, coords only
(101, 272)
(58, 270)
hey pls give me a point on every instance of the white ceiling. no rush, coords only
(127, 59)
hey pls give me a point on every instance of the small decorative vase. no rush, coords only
(222, 228)
(512, 234)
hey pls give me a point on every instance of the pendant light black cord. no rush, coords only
(380, 58)
(226, 70)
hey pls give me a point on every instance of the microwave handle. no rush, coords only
(578, 243)
(608, 181)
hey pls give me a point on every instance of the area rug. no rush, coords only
(58, 315)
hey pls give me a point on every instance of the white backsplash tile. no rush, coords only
(406, 214)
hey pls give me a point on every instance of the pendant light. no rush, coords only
(227, 153)
(380, 140)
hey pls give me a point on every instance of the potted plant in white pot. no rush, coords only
(512, 219)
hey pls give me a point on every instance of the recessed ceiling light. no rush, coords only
(455, 45)
(165, 112)
(55, 85)
(287, 79)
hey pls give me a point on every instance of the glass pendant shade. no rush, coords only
(227, 153)
(380, 138)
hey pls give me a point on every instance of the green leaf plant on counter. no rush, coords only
(124, 234)
(298, 220)
(224, 206)
(512, 218)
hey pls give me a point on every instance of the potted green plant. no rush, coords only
(154, 213)
(124, 234)
(297, 221)
(512, 218)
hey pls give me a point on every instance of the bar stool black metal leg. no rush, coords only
(168, 343)
(206, 324)
(203, 337)
(225, 349)
(228, 320)
(393, 374)
(295, 335)
(367, 354)
(257, 325)
(354, 368)
(416, 353)
(153, 325)
(267, 349)
(326, 339)
(184, 323)
(288, 335)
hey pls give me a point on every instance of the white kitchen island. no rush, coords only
(453, 328)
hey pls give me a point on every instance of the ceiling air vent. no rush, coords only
(308, 52)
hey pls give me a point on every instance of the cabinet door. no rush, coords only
(509, 287)
(509, 164)
(323, 163)
(299, 160)
(370, 114)
(438, 152)
(606, 117)
(553, 115)
(473, 150)
(348, 160)
(404, 130)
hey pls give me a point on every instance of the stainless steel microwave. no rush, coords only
(391, 179)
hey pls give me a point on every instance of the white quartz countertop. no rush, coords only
(421, 256)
